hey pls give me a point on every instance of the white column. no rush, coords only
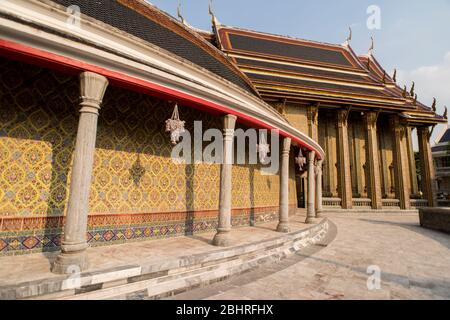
(319, 207)
(283, 225)
(221, 238)
(310, 210)
(74, 244)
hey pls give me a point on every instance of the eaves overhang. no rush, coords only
(38, 32)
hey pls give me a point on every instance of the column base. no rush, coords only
(319, 214)
(283, 227)
(69, 263)
(311, 220)
(222, 239)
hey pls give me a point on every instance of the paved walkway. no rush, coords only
(19, 269)
(414, 264)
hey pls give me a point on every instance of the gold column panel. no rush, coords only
(400, 161)
(386, 159)
(345, 183)
(327, 139)
(372, 160)
(427, 166)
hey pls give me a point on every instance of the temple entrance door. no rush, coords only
(300, 188)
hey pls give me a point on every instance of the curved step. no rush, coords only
(156, 279)
(212, 269)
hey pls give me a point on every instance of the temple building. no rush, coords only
(441, 157)
(86, 88)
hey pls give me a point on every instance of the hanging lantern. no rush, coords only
(175, 126)
(300, 160)
(263, 149)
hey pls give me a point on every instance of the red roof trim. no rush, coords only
(47, 59)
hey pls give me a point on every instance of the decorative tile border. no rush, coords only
(40, 234)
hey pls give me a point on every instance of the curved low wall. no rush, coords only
(435, 218)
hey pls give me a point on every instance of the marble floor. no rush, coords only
(414, 263)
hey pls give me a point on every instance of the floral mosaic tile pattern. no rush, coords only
(133, 173)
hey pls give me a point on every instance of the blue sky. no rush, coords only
(414, 36)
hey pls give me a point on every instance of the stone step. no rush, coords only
(179, 282)
(161, 278)
(390, 211)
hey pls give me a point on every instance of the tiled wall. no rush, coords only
(135, 182)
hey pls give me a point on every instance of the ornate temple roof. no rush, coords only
(143, 20)
(282, 67)
(442, 142)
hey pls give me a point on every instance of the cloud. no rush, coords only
(431, 81)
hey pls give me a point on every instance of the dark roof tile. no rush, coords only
(445, 137)
(126, 19)
(283, 49)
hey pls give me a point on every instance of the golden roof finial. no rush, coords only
(214, 20)
(372, 47)
(179, 12)
(433, 106)
(412, 89)
(405, 92)
(350, 36)
(445, 115)
(394, 77)
(211, 13)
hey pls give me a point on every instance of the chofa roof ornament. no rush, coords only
(214, 20)
(175, 126)
(179, 13)
(349, 38)
(411, 93)
(433, 106)
(372, 47)
(370, 53)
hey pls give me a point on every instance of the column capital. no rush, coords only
(229, 122)
(371, 118)
(281, 108)
(286, 145)
(319, 165)
(342, 117)
(311, 157)
(424, 131)
(92, 90)
(312, 113)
